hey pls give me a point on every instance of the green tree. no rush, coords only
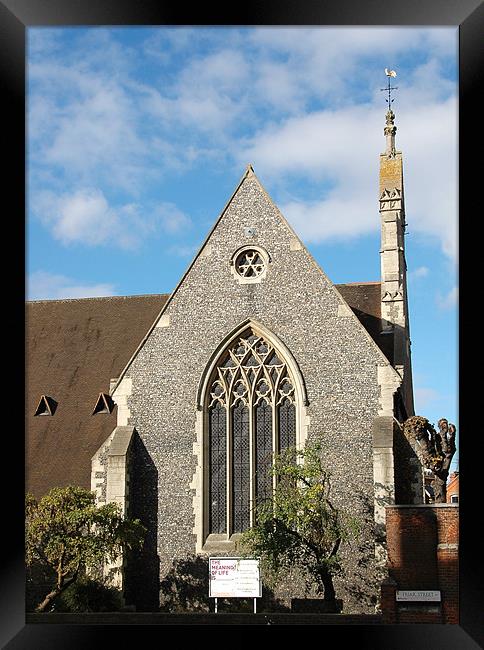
(299, 526)
(67, 535)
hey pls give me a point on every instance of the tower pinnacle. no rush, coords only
(389, 132)
(394, 303)
(390, 128)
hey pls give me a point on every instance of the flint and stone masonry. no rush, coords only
(346, 389)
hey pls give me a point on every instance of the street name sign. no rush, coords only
(420, 596)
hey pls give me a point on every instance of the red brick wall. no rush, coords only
(423, 547)
(453, 486)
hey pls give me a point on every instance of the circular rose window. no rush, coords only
(249, 263)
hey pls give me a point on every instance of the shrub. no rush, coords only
(88, 595)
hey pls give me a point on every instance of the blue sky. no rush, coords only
(137, 137)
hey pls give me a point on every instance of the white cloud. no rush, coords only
(225, 70)
(420, 272)
(183, 250)
(332, 62)
(274, 82)
(86, 217)
(83, 216)
(209, 94)
(94, 133)
(449, 300)
(85, 125)
(340, 149)
(42, 41)
(334, 218)
(171, 218)
(429, 144)
(95, 122)
(42, 285)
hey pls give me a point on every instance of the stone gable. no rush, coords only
(295, 301)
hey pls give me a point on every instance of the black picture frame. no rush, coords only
(15, 17)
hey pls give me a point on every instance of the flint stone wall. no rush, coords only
(337, 358)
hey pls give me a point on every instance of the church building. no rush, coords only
(173, 405)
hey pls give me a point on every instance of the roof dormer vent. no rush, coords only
(104, 404)
(46, 406)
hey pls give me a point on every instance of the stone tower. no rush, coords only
(394, 303)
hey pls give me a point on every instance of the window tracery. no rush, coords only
(251, 409)
(249, 264)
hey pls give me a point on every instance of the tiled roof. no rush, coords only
(73, 349)
(364, 298)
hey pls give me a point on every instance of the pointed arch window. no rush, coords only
(250, 415)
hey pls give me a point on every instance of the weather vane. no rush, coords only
(389, 88)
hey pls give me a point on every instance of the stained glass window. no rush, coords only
(241, 468)
(218, 469)
(287, 425)
(251, 416)
(263, 445)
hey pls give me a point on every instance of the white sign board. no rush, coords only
(234, 577)
(419, 596)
